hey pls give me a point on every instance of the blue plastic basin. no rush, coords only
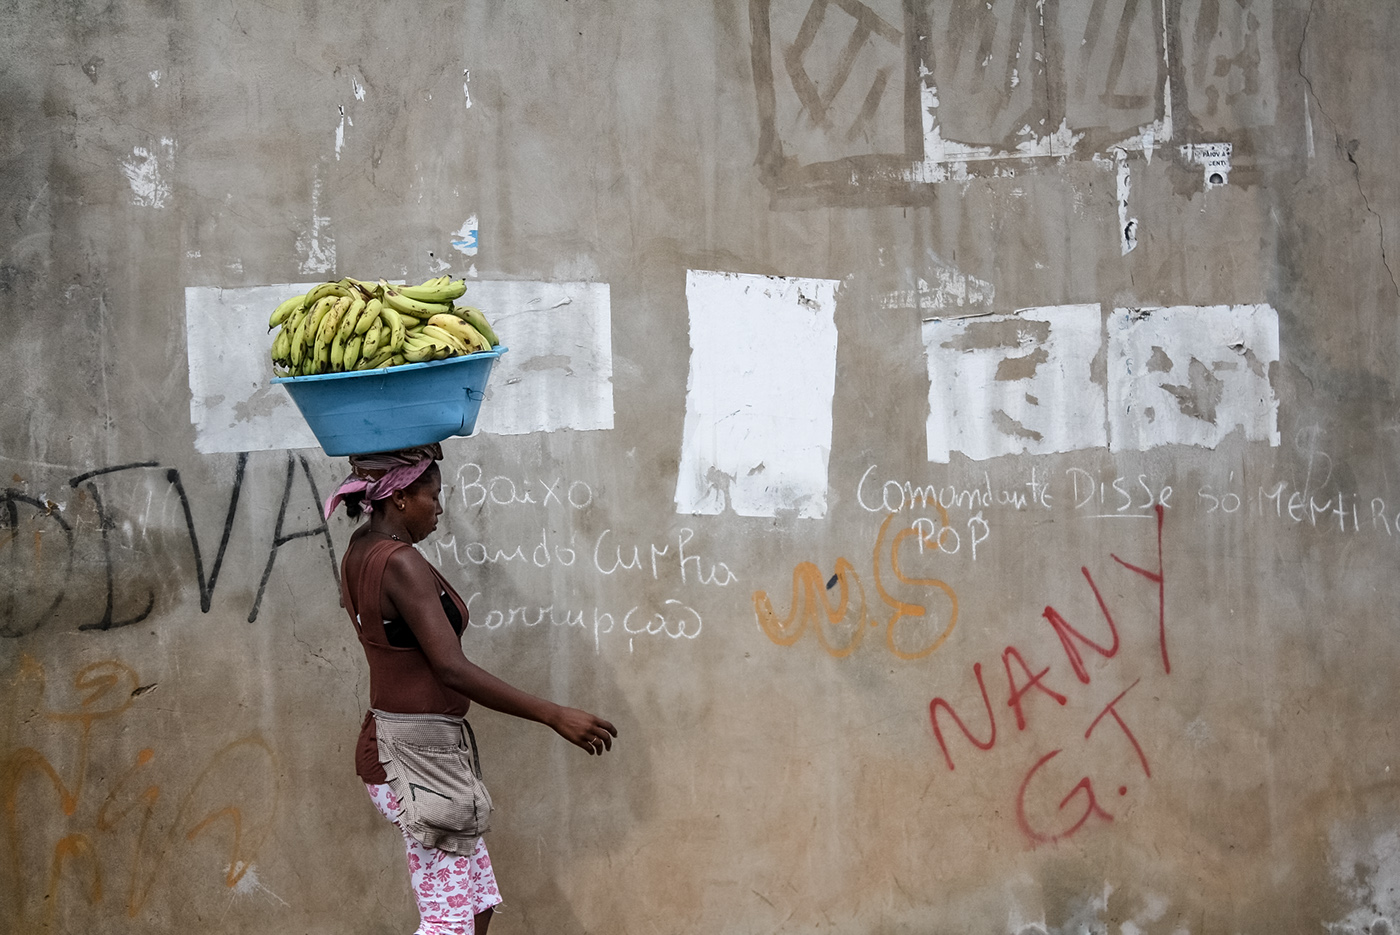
(397, 407)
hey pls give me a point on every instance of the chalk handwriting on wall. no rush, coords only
(476, 489)
(66, 559)
(1033, 815)
(669, 618)
(1316, 499)
(680, 560)
(869, 102)
(37, 579)
(607, 557)
(849, 616)
(118, 819)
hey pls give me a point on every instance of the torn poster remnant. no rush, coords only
(1009, 384)
(1191, 375)
(946, 291)
(464, 239)
(1365, 865)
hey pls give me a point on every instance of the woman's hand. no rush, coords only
(411, 588)
(584, 730)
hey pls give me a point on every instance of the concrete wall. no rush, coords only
(952, 442)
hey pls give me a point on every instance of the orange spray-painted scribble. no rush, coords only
(98, 680)
(904, 609)
(235, 795)
(69, 849)
(249, 817)
(809, 592)
(108, 818)
(810, 601)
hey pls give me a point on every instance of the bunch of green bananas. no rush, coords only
(356, 324)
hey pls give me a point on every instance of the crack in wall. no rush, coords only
(1349, 149)
(1356, 173)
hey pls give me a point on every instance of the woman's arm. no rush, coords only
(412, 588)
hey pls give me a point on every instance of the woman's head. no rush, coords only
(417, 506)
(377, 477)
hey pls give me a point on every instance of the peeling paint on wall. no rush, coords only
(464, 238)
(315, 245)
(946, 160)
(949, 289)
(1176, 376)
(757, 435)
(1365, 865)
(1191, 376)
(1230, 63)
(1152, 909)
(1009, 384)
(340, 131)
(1127, 226)
(149, 188)
(558, 372)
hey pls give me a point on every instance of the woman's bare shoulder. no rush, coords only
(357, 550)
(408, 562)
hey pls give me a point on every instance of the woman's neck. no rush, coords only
(385, 525)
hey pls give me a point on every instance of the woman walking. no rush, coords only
(410, 623)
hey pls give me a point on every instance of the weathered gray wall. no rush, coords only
(176, 748)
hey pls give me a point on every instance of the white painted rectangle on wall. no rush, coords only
(1191, 375)
(558, 371)
(757, 437)
(1012, 384)
(234, 405)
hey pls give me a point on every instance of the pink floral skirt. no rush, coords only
(451, 890)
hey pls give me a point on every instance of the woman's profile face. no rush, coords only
(422, 505)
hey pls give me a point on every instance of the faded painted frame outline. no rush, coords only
(888, 178)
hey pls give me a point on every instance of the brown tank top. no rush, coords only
(400, 677)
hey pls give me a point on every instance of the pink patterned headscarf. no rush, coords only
(381, 474)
